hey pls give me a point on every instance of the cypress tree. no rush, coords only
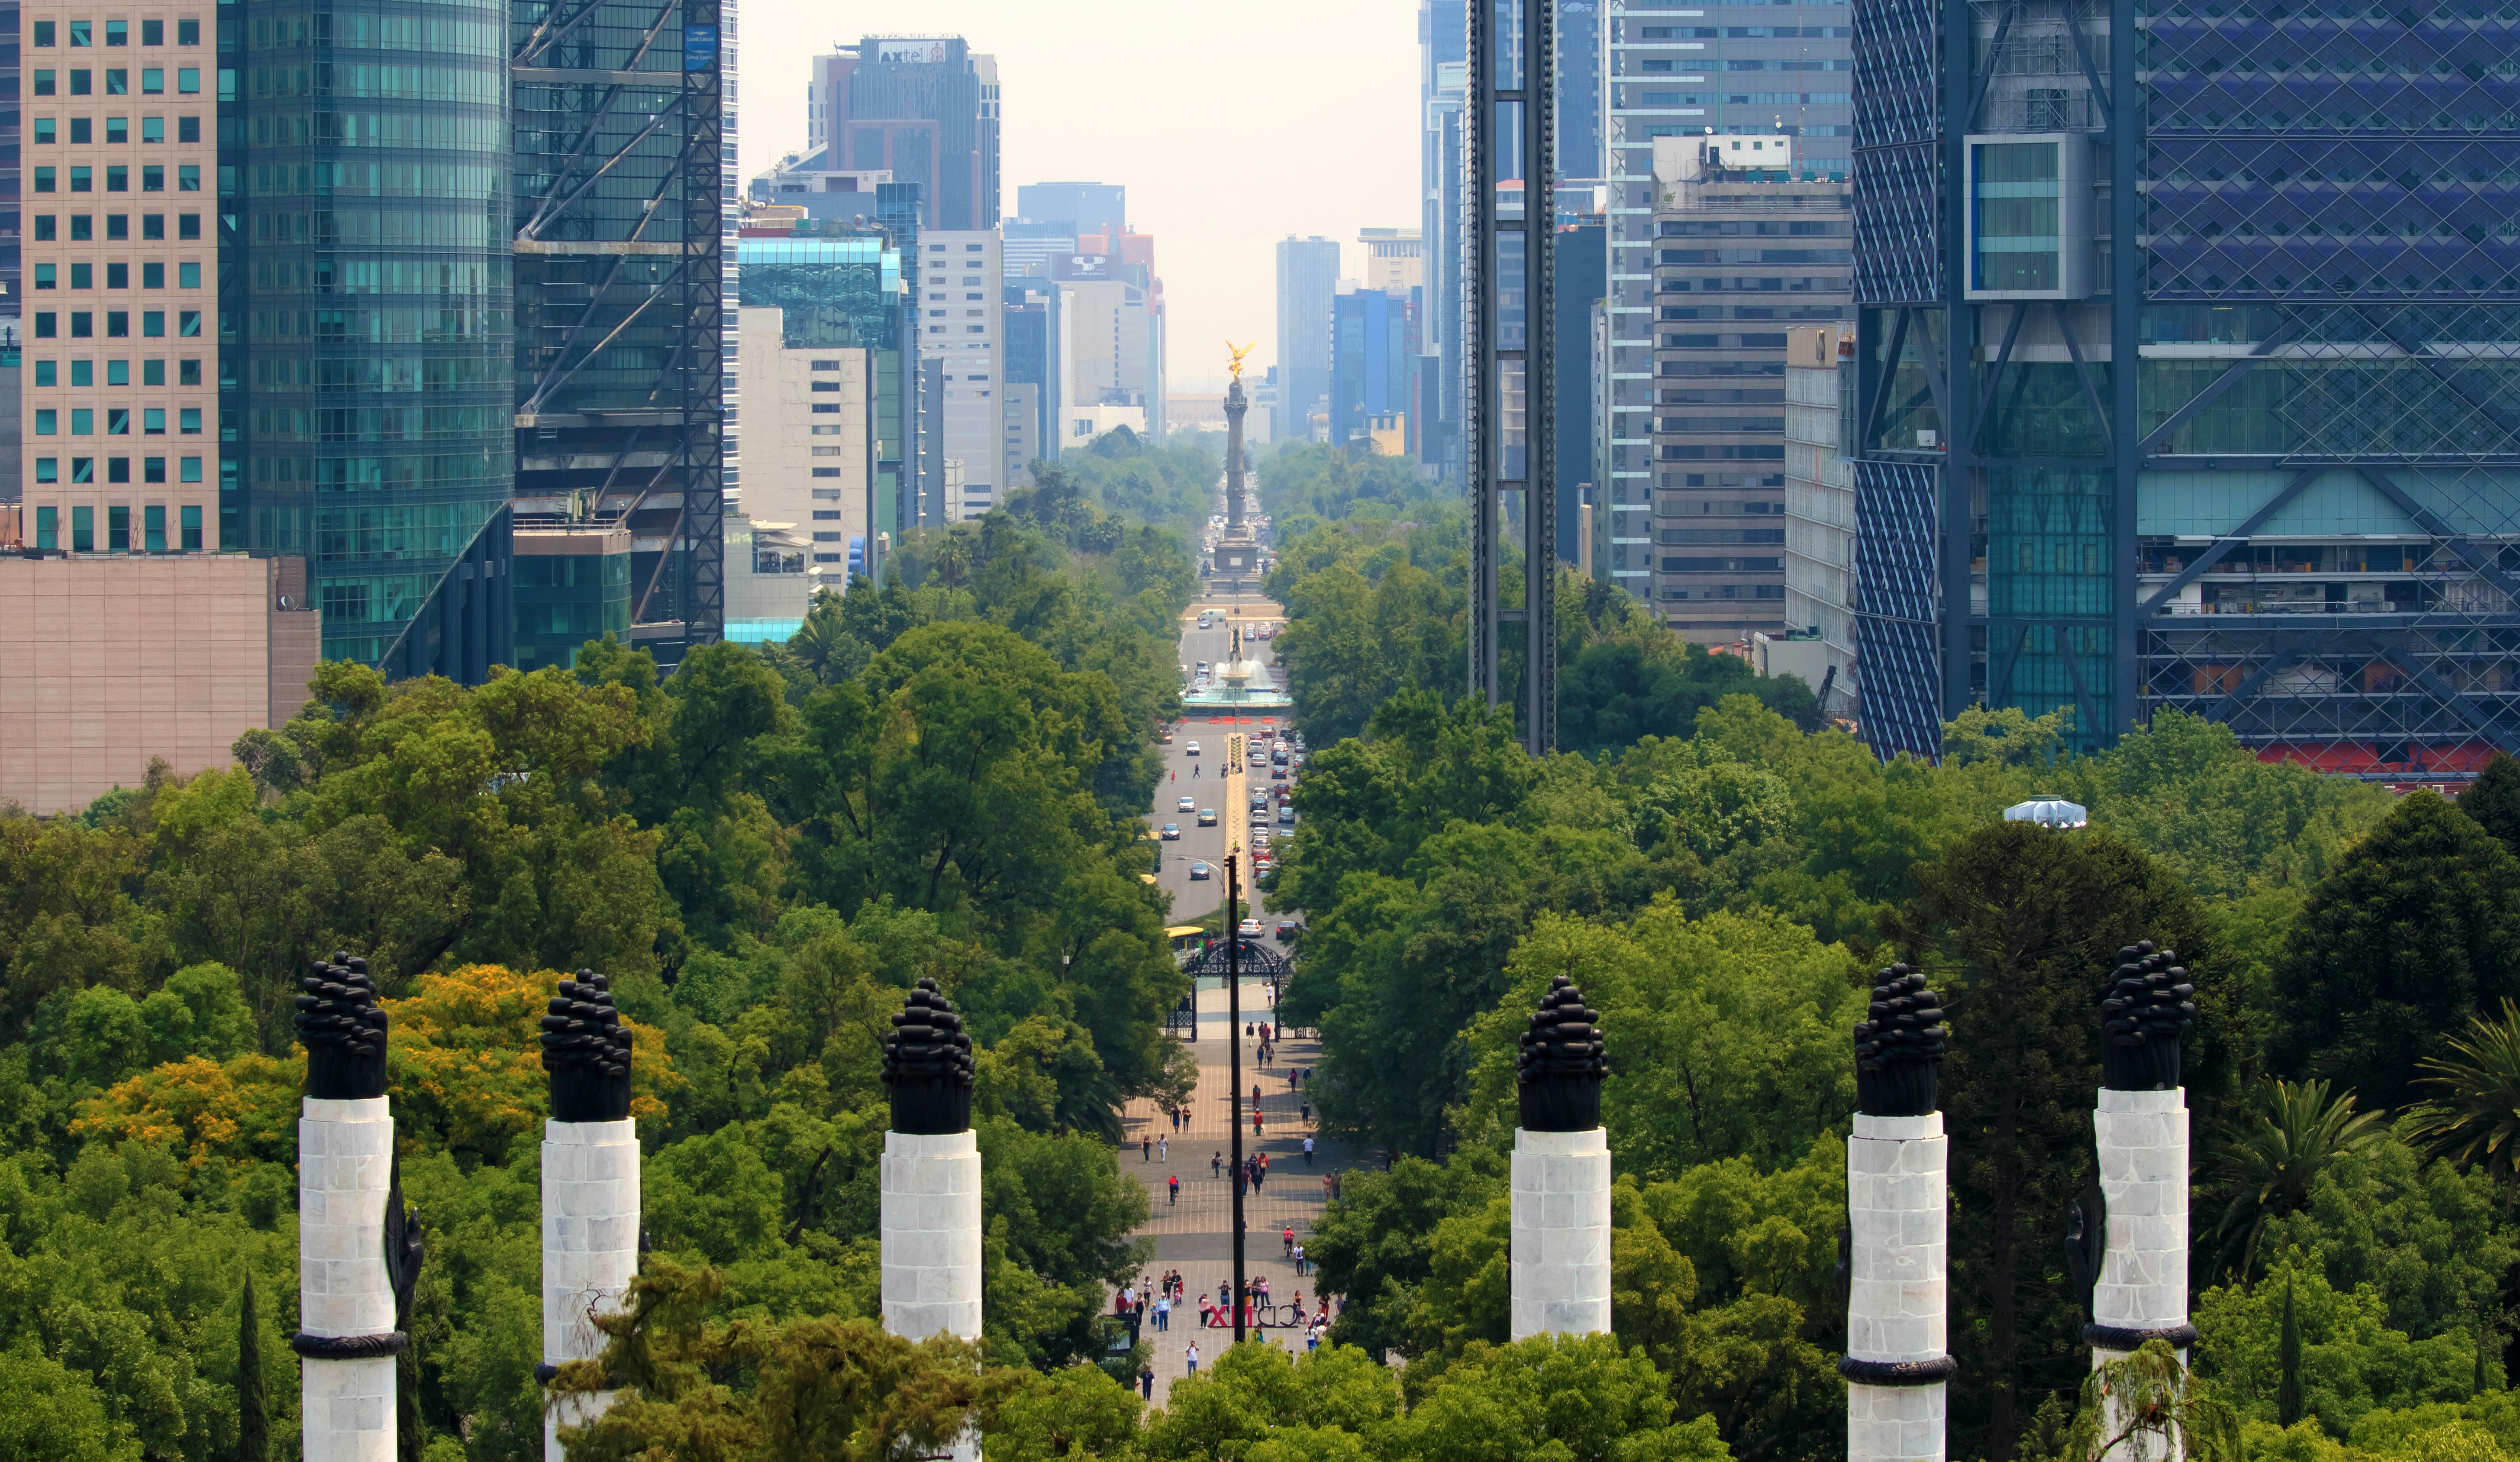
(2493, 799)
(2288, 1357)
(254, 1416)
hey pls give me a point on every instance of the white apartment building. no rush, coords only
(1820, 503)
(1105, 357)
(960, 330)
(808, 450)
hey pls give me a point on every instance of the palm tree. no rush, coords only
(2477, 1118)
(952, 558)
(2266, 1163)
(818, 644)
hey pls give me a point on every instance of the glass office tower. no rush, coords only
(618, 222)
(2297, 510)
(364, 322)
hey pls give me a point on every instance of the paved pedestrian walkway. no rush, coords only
(1195, 1234)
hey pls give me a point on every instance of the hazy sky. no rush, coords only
(1233, 125)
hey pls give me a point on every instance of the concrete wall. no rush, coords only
(113, 660)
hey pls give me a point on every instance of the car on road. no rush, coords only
(1248, 929)
(1287, 817)
(1276, 774)
(1200, 871)
(1288, 929)
(1163, 738)
(1190, 749)
(1207, 817)
(1187, 804)
(1171, 832)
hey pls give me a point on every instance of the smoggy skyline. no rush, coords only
(1232, 128)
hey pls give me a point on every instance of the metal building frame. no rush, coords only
(1508, 119)
(2331, 192)
(620, 294)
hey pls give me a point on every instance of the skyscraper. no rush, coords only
(1580, 59)
(2185, 359)
(923, 106)
(366, 357)
(1308, 272)
(960, 283)
(619, 233)
(1443, 71)
(1672, 73)
(1373, 334)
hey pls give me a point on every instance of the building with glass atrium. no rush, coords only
(2297, 510)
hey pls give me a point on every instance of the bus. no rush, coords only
(1186, 938)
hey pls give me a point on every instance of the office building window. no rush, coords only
(192, 528)
(48, 522)
(153, 469)
(153, 528)
(82, 523)
(117, 527)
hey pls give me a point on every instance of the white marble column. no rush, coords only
(1897, 1212)
(2142, 1291)
(930, 1227)
(1561, 1260)
(590, 1252)
(344, 1165)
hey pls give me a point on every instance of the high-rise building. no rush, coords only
(1784, 71)
(115, 415)
(367, 355)
(960, 280)
(1395, 259)
(1308, 273)
(827, 320)
(926, 109)
(1582, 278)
(619, 232)
(1443, 75)
(1024, 316)
(1088, 208)
(1104, 345)
(2186, 358)
(1724, 203)
(1373, 336)
(1820, 503)
(1027, 244)
(1580, 59)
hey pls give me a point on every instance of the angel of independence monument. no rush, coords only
(1238, 553)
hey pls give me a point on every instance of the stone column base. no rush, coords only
(348, 1410)
(1561, 1260)
(931, 1234)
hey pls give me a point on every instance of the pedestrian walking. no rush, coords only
(1163, 1149)
(1172, 1190)
(1256, 1123)
(1146, 1150)
(1289, 1237)
(1300, 1260)
(1216, 1164)
(1164, 1314)
(1147, 1383)
(1255, 1093)
(1308, 1111)
(1175, 1115)
(1193, 1357)
(1308, 1151)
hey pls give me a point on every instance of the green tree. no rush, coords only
(2474, 1119)
(2416, 931)
(2264, 1164)
(2493, 799)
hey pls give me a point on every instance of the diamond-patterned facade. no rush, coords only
(1896, 606)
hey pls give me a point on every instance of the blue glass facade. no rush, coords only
(1369, 359)
(2259, 465)
(365, 323)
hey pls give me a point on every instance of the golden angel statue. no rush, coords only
(1238, 353)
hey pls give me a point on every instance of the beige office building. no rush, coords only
(1395, 259)
(121, 274)
(114, 660)
(808, 458)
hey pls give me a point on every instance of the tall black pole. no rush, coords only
(1233, 1041)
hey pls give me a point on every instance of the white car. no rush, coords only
(1190, 749)
(1187, 804)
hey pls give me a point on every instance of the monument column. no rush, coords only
(1559, 1269)
(590, 1189)
(930, 1202)
(1897, 1214)
(357, 1257)
(1236, 404)
(2139, 1288)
